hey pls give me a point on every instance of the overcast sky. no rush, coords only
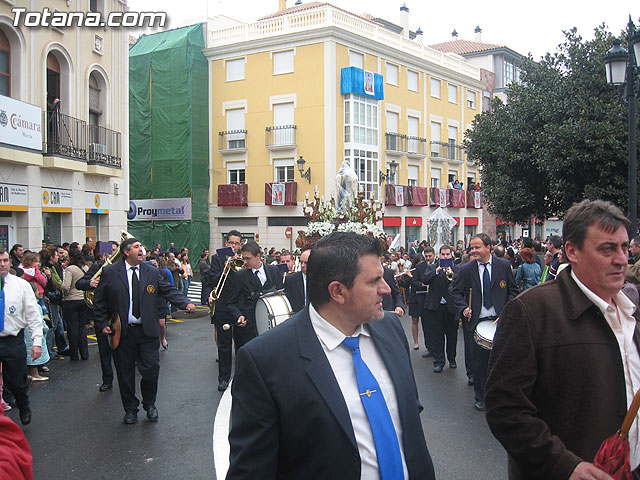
(523, 26)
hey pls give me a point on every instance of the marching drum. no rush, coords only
(484, 333)
(271, 310)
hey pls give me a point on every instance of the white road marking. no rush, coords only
(221, 447)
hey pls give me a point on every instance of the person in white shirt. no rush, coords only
(565, 364)
(18, 309)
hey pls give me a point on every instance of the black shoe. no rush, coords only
(130, 418)
(453, 365)
(64, 353)
(222, 386)
(427, 354)
(479, 406)
(152, 413)
(437, 369)
(25, 415)
(105, 386)
(470, 381)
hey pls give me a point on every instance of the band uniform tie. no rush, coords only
(257, 273)
(135, 293)
(486, 287)
(384, 433)
(1, 303)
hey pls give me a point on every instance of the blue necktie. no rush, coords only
(384, 433)
(486, 287)
(1, 304)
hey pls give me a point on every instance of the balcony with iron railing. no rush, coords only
(104, 147)
(448, 152)
(232, 141)
(396, 143)
(416, 147)
(280, 137)
(64, 135)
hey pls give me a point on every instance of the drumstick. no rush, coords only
(227, 326)
(470, 293)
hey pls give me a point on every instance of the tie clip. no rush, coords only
(368, 393)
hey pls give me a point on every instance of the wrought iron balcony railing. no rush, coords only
(232, 140)
(64, 135)
(280, 136)
(104, 147)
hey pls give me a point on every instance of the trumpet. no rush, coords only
(114, 257)
(234, 263)
(448, 271)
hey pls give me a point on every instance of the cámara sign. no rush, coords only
(20, 124)
(159, 209)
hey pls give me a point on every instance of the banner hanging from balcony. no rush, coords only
(417, 197)
(20, 124)
(396, 195)
(159, 209)
(277, 194)
(362, 82)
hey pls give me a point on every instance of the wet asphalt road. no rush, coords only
(77, 432)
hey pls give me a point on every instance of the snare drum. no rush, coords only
(271, 310)
(484, 333)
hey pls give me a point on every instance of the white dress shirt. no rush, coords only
(341, 361)
(304, 286)
(21, 309)
(131, 318)
(486, 312)
(620, 318)
(262, 275)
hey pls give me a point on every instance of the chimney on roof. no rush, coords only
(478, 31)
(404, 20)
(419, 36)
(282, 5)
(454, 34)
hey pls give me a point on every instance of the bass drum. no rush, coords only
(272, 310)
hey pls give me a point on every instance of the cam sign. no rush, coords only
(159, 209)
(20, 124)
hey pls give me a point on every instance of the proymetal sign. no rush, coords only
(159, 209)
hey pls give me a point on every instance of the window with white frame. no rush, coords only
(435, 88)
(435, 137)
(452, 93)
(392, 74)
(283, 123)
(283, 62)
(412, 175)
(412, 80)
(412, 131)
(508, 72)
(284, 170)
(356, 59)
(453, 176)
(235, 172)
(235, 69)
(435, 178)
(453, 135)
(365, 163)
(471, 99)
(392, 128)
(236, 137)
(361, 120)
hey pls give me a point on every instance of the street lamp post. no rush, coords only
(622, 68)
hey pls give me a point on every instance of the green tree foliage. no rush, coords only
(560, 138)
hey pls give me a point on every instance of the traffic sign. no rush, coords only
(287, 232)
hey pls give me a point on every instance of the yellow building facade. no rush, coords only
(287, 87)
(63, 164)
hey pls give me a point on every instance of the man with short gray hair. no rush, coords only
(565, 365)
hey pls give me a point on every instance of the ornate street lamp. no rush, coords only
(390, 176)
(621, 67)
(300, 162)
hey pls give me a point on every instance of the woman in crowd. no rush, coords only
(413, 299)
(73, 306)
(53, 294)
(33, 366)
(187, 274)
(529, 272)
(31, 267)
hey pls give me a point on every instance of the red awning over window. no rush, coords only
(471, 220)
(457, 219)
(413, 221)
(392, 221)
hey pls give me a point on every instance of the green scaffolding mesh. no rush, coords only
(168, 134)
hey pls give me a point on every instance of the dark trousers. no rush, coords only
(469, 342)
(480, 365)
(242, 335)
(425, 316)
(136, 347)
(204, 294)
(75, 313)
(105, 358)
(14, 367)
(443, 328)
(225, 339)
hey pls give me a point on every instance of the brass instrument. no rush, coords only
(448, 271)
(114, 257)
(236, 263)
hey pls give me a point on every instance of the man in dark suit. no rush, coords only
(429, 255)
(325, 394)
(295, 284)
(491, 280)
(392, 302)
(130, 288)
(255, 279)
(443, 324)
(223, 314)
